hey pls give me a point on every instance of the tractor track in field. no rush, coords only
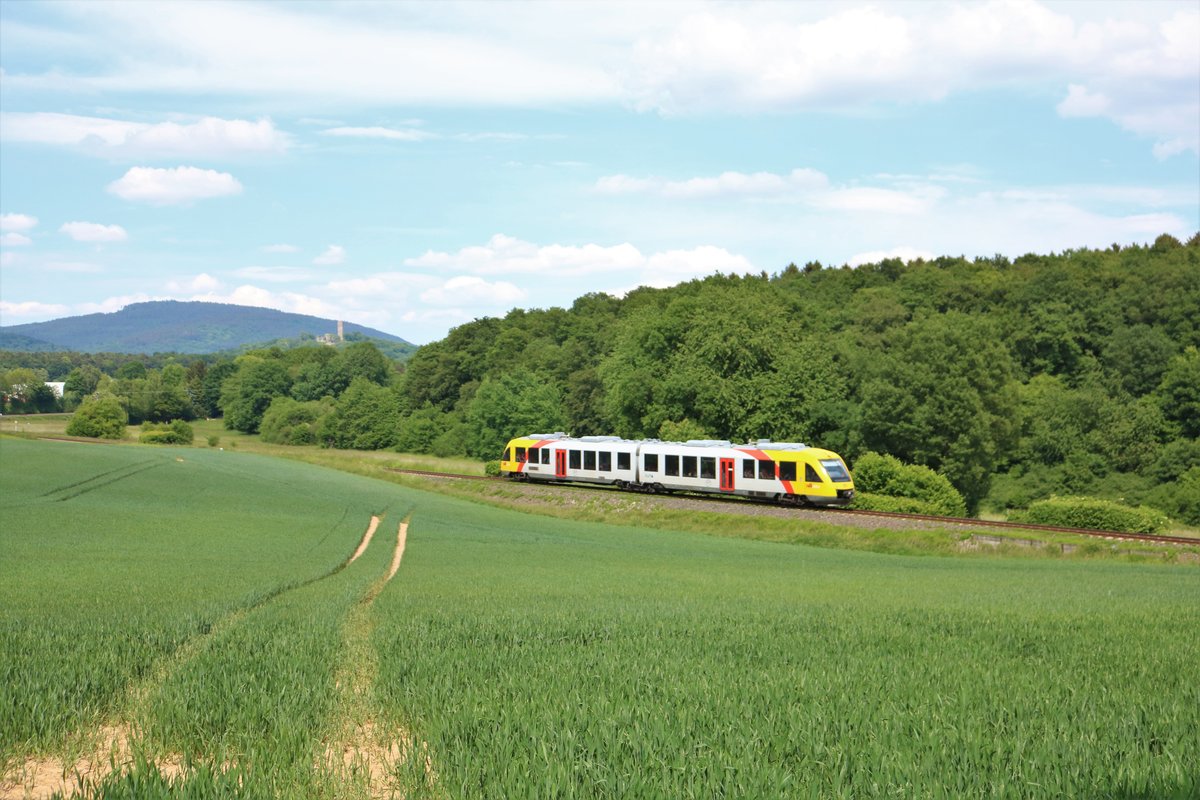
(362, 755)
(94, 482)
(839, 516)
(114, 746)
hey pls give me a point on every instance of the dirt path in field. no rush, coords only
(92, 761)
(111, 747)
(366, 540)
(363, 754)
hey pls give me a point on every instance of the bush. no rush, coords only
(1091, 512)
(287, 421)
(213, 441)
(1180, 498)
(886, 475)
(492, 469)
(100, 418)
(866, 501)
(173, 432)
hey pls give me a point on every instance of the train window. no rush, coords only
(589, 459)
(787, 470)
(532, 456)
(835, 469)
(708, 467)
(521, 454)
(651, 462)
(506, 453)
(605, 462)
(766, 470)
(546, 455)
(689, 466)
(622, 460)
(811, 475)
(575, 459)
(747, 468)
(671, 467)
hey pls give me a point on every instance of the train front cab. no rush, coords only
(796, 473)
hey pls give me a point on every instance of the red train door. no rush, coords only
(560, 463)
(726, 474)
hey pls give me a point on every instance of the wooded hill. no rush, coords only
(1070, 373)
(168, 326)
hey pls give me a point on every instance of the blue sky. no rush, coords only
(412, 166)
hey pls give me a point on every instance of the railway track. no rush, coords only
(964, 521)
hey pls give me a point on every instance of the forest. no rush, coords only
(1071, 373)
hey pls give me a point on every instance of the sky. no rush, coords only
(412, 166)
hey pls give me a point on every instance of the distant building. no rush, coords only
(57, 387)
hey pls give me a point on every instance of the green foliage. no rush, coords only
(1180, 498)
(886, 475)
(681, 431)
(214, 440)
(869, 501)
(507, 406)
(1180, 392)
(492, 469)
(366, 417)
(248, 392)
(101, 417)
(173, 432)
(287, 421)
(1090, 512)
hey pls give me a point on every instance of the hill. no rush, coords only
(180, 327)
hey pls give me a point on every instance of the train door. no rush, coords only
(726, 474)
(560, 463)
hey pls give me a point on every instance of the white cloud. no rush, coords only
(206, 137)
(280, 248)
(470, 290)
(506, 255)
(174, 185)
(334, 254)
(17, 222)
(806, 185)
(31, 308)
(196, 284)
(93, 232)
(903, 252)
(275, 274)
(1080, 102)
(14, 239)
(395, 134)
(726, 184)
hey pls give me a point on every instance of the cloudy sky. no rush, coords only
(412, 166)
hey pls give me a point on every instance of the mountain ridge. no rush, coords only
(160, 326)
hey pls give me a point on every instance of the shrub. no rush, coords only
(99, 417)
(213, 441)
(173, 432)
(492, 469)
(287, 421)
(1091, 512)
(867, 501)
(886, 475)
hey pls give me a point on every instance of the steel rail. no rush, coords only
(1149, 538)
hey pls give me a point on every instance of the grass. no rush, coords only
(203, 603)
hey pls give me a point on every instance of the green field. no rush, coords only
(201, 600)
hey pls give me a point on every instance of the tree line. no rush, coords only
(1069, 373)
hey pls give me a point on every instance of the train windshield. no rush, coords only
(835, 469)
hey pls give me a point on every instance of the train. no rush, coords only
(791, 473)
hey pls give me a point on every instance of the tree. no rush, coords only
(1179, 392)
(247, 394)
(287, 421)
(82, 380)
(507, 406)
(99, 417)
(366, 418)
(944, 397)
